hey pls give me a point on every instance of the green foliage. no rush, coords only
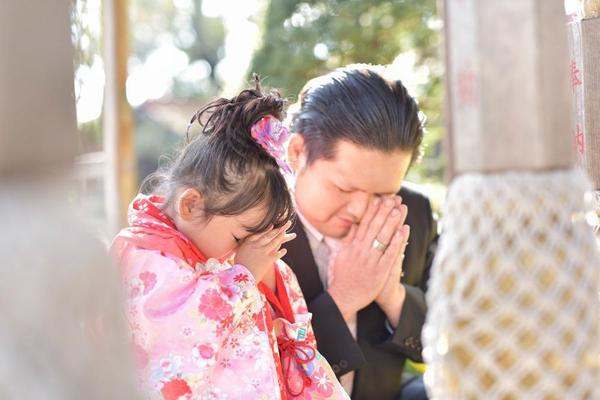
(353, 31)
(305, 39)
(210, 37)
(86, 42)
(152, 24)
(155, 143)
(90, 136)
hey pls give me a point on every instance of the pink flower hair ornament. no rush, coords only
(271, 135)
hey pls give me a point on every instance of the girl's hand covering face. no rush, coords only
(259, 252)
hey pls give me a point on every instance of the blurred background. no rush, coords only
(141, 69)
(174, 55)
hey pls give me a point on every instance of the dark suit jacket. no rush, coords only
(377, 356)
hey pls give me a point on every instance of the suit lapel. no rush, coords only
(300, 258)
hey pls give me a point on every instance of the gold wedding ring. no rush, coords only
(377, 245)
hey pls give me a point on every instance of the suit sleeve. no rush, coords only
(182, 321)
(334, 339)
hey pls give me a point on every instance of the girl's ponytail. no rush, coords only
(231, 120)
(233, 170)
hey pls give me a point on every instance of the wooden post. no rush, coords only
(119, 146)
(508, 96)
(34, 81)
(584, 33)
(513, 296)
(62, 331)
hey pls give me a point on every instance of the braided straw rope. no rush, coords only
(514, 296)
(595, 212)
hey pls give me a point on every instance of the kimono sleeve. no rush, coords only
(193, 329)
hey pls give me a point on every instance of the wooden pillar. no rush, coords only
(119, 145)
(513, 297)
(34, 79)
(508, 94)
(62, 332)
(584, 35)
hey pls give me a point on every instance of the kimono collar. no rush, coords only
(150, 228)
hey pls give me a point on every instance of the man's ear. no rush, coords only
(296, 152)
(189, 204)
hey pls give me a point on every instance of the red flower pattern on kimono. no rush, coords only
(213, 306)
(149, 280)
(176, 390)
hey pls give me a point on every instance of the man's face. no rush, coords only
(333, 194)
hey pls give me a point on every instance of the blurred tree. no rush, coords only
(178, 25)
(86, 39)
(182, 24)
(166, 28)
(210, 37)
(304, 39)
(158, 29)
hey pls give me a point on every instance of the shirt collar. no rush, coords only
(310, 229)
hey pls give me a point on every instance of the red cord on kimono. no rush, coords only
(298, 350)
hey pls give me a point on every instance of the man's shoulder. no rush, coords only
(421, 217)
(413, 194)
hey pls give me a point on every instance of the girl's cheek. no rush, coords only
(231, 252)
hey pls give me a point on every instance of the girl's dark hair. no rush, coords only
(359, 104)
(224, 163)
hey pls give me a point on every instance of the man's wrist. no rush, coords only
(340, 302)
(392, 307)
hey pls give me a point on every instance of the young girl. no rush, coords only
(214, 313)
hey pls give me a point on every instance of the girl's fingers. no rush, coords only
(287, 225)
(282, 238)
(281, 253)
(271, 235)
(259, 236)
(287, 237)
(268, 238)
(281, 232)
(272, 243)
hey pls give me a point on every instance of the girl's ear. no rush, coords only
(296, 152)
(189, 203)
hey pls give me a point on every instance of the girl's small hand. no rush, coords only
(259, 252)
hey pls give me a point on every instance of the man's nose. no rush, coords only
(358, 204)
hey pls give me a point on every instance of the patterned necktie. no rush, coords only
(322, 254)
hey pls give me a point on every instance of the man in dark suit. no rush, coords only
(356, 133)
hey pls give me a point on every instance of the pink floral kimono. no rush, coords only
(204, 329)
